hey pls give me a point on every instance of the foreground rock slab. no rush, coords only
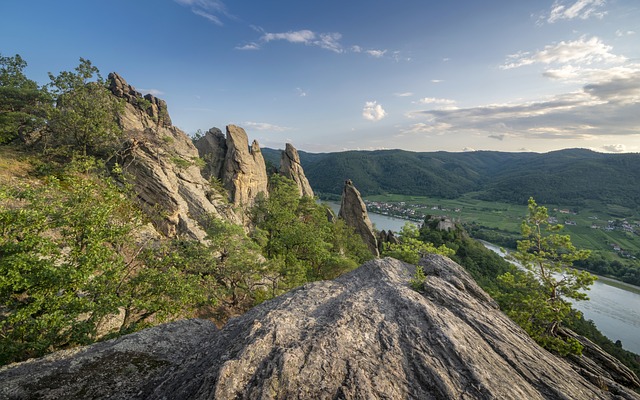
(366, 335)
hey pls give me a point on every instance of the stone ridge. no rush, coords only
(291, 168)
(366, 335)
(163, 166)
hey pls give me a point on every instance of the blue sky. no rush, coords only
(330, 75)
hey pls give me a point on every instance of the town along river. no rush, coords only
(613, 306)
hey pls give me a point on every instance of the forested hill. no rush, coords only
(561, 177)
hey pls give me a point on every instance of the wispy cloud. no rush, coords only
(580, 9)
(621, 33)
(373, 111)
(376, 53)
(249, 46)
(264, 126)
(581, 51)
(433, 100)
(403, 94)
(154, 92)
(615, 148)
(208, 9)
(328, 41)
(301, 92)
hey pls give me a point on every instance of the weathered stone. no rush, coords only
(155, 108)
(212, 148)
(366, 335)
(386, 237)
(244, 172)
(163, 166)
(291, 168)
(115, 369)
(354, 213)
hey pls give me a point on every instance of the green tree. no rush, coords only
(23, 104)
(69, 260)
(298, 239)
(410, 248)
(85, 115)
(539, 298)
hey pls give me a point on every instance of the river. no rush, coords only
(613, 306)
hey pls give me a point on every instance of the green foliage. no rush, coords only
(537, 299)
(299, 241)
(418, 279)
(85, 115)
(411, 249)
(69, 261)
(23, 104)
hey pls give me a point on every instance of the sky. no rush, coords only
(419, 75)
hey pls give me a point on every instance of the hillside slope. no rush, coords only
(568, 176)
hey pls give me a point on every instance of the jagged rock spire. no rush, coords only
(354, 213)
(291, 168)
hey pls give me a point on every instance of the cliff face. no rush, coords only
(366, 335)
(291, 168)
(163, 166)
(354, 213)
(240, 168)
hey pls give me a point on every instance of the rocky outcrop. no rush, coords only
(244, 172)
(212, 148)
(154, 107)
(240, 168)
(163, 165)
(366, 335)
(354, 213)
(386, 237)
(116, 369)
(291, 168)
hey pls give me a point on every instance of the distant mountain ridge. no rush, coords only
(567, 177)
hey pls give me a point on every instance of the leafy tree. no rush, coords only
(411, 249)
(69, 261)
(538, 298)
(22, 103)
(299, 241)
(85, 115)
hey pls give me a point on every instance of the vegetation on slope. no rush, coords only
(80, 262)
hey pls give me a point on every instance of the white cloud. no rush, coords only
(303, 36)
(376, 53)
(301, 92)
(433, 100)
(356, 49)
(585, 75)
(208, 16)
(264, 126)
(403, 94)
(581, 51)
(621, 33)
(249, 46)
(615, 148)
(373, 111)
(328, 41)
(206, 9)
(154, 92)
(437, 81)
(581, 9)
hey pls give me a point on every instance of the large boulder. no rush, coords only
(163, 166)
(354, 213)
(291, 168)
(366, 335)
